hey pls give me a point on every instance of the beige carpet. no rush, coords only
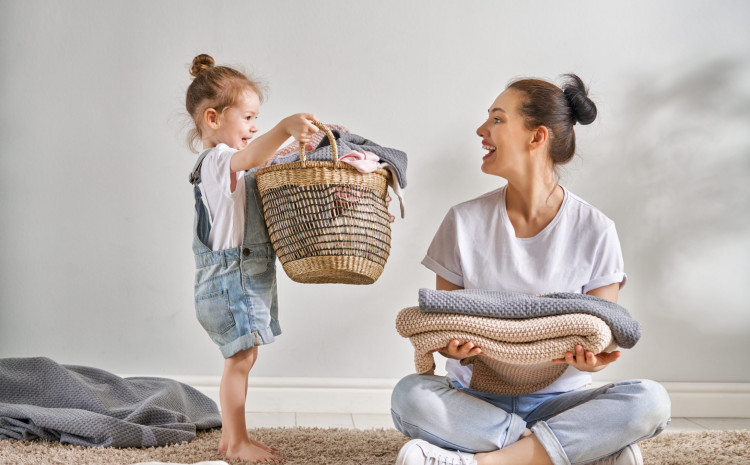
(314, 446)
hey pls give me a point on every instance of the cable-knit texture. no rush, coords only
(500, 304)
(516, 354)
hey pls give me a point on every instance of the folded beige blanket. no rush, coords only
(516, 354)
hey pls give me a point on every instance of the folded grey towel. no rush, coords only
(625, 330)
(90, 407)
(347, 142)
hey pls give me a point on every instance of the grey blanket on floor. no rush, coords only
(90, 407)
(512, 305)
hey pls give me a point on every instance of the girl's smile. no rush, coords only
(237, 124)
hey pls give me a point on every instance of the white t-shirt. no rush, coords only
(225, 193)
(476, 248)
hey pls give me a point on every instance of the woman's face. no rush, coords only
(504, 136)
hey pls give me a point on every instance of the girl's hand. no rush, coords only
(588, 361)
(458, 351)
(300, 127)
(261, 149)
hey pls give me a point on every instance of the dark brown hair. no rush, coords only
(545, 104)
(216, 87)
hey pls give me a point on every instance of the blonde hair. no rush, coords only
(216, 87)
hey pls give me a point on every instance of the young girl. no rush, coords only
(531, 236)
(235, 290)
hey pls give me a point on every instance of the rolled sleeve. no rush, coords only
(442, 271)
(609, 265)
(443, 256)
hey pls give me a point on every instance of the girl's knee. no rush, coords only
(242, 361)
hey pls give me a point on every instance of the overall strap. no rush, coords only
(195, 175)
(203, 219)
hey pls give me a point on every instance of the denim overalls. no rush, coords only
(235, 289)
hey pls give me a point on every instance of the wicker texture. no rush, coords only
(516, 354)
(328, 222)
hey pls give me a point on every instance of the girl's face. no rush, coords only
(237, 124)
(504, 136)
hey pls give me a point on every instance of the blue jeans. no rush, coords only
(574, 427)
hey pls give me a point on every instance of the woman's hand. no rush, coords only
(458, 351)
(588, 361)
(300, 127)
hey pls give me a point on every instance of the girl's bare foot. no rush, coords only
(249, 452)
(224, 444)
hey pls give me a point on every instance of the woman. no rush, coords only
(531, 236)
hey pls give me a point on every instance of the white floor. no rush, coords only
(369, 421)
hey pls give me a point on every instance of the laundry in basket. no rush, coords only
(328, 223)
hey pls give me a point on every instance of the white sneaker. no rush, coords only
(630, 455)
(419, 452)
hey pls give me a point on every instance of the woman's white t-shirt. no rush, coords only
(227, 206)
(476, 248)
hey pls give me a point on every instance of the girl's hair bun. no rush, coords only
(584, 110)
(201, 63)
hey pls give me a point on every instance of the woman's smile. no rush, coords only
(490, 150)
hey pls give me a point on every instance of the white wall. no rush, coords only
(96, 267)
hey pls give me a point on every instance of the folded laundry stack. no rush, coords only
(519, 334)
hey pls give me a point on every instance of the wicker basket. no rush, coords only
(328, 222)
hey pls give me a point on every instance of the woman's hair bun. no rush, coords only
(201, 63)
(584, 110)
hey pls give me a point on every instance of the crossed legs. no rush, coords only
(575, 427)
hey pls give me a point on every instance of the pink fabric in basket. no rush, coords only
(365, 162)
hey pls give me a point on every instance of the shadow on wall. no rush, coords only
(682, 167)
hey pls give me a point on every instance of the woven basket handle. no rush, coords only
(331, 139)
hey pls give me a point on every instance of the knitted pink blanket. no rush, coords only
(516, 353)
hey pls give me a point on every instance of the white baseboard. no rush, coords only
(706, 400)
(373, 395)
(315, 395)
